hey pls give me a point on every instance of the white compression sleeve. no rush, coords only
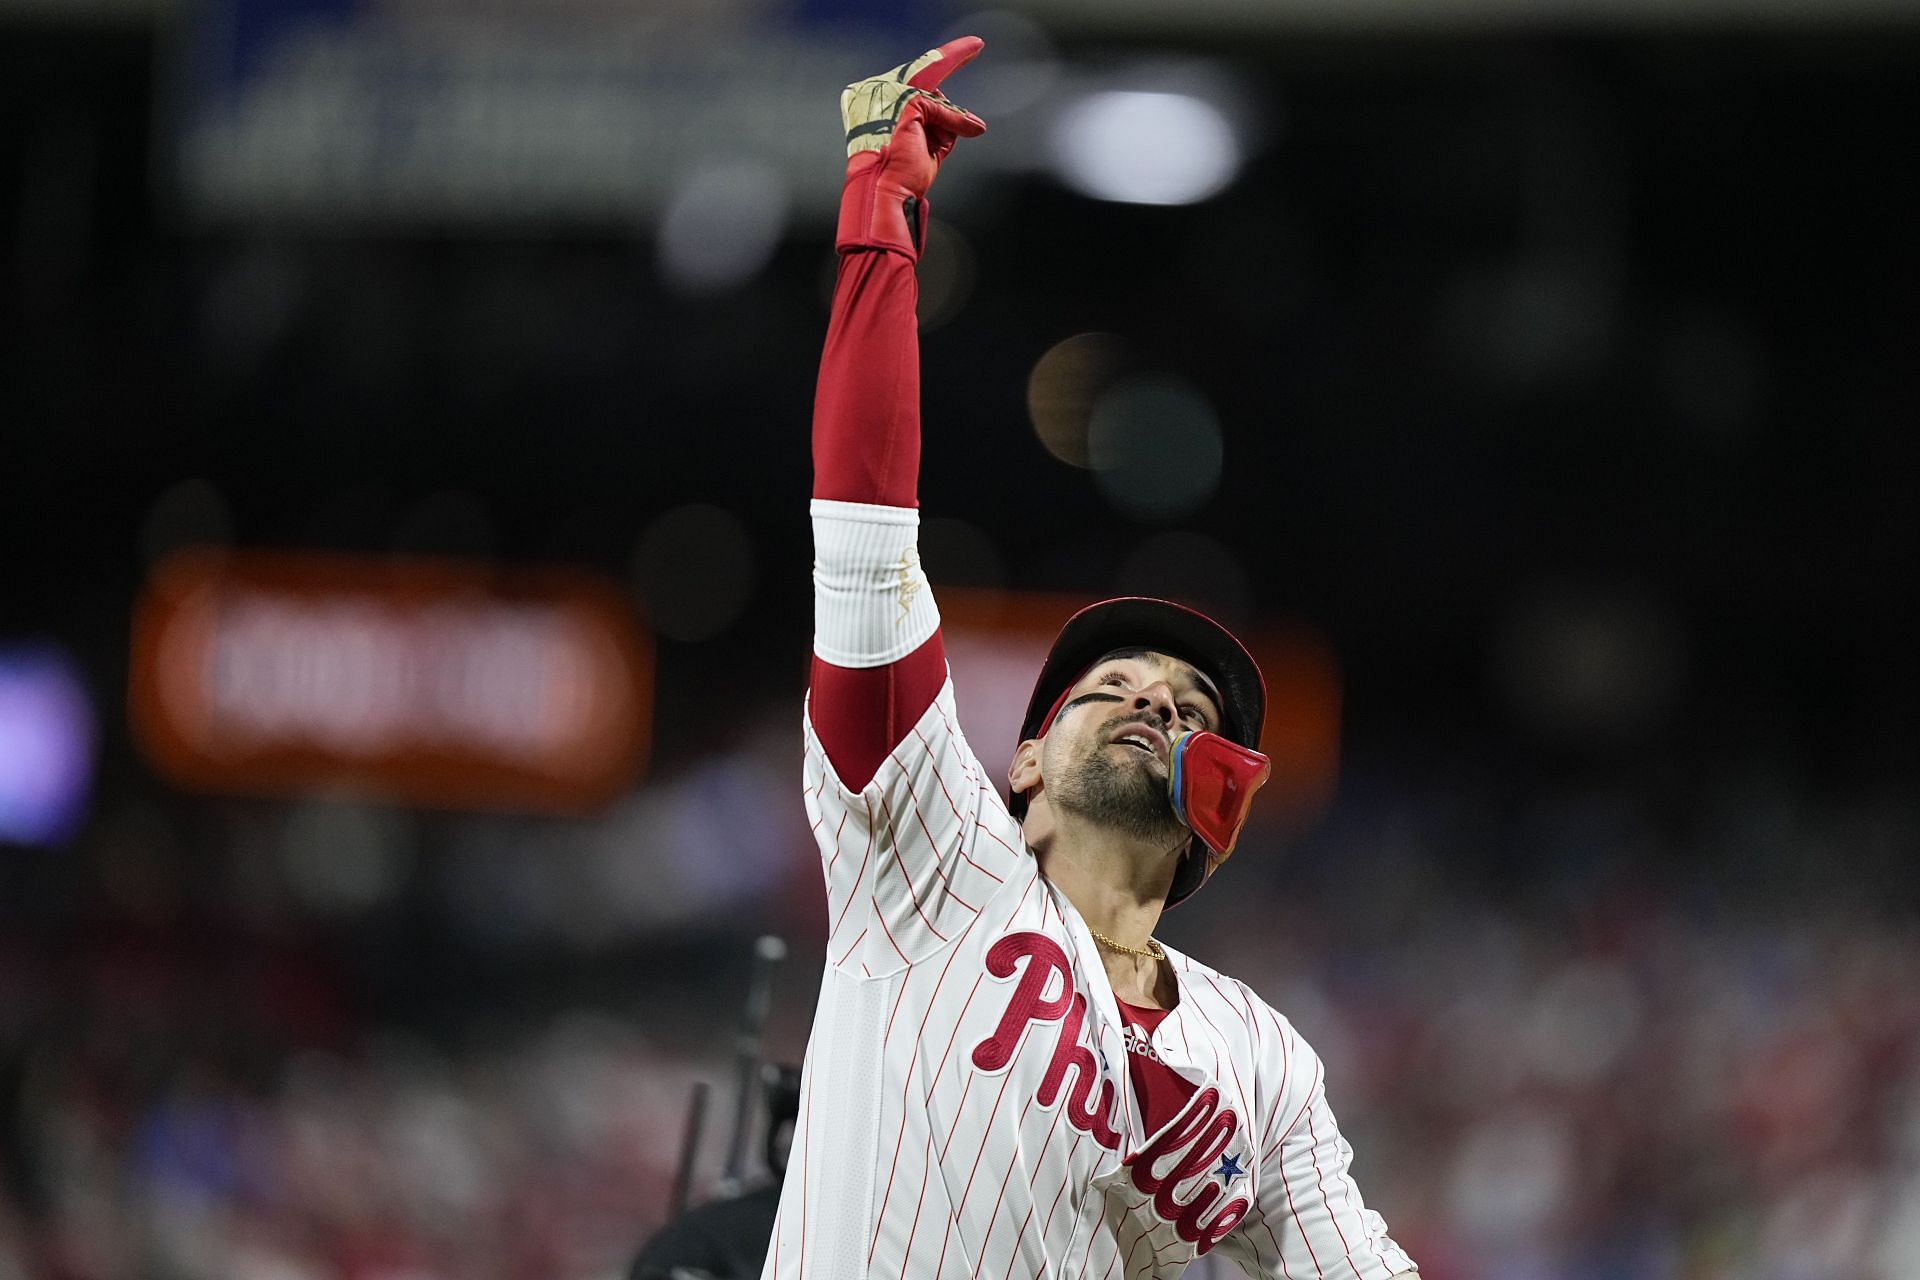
(871, 603)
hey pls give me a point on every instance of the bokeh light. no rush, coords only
(1062, 388)
(721, 226)
(1137, 146)
(1155, 448)
(1579, 662)
(47, 737)
(342, 857)
(947, 275)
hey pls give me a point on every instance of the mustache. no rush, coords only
(1147, 718)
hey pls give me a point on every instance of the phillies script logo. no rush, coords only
(1198, 1137)
(1030, 1003)
(1188, 1147)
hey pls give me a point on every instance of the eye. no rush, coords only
(1113, 677)
(1195, 714)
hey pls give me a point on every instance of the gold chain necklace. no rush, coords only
(1152, 951)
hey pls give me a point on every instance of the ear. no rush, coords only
(1024, 773)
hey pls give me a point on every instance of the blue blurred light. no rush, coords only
(46, 744)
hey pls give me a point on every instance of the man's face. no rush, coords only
(1105, 756)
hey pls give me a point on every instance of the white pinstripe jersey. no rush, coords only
(966, 1108)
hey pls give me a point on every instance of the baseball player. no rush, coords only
(1008, 1075)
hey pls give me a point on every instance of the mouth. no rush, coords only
(1143, 738)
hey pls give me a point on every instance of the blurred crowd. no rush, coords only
(1580, 1068)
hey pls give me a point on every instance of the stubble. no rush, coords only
(1122, 794)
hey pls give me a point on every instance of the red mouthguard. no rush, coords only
(1211, 782)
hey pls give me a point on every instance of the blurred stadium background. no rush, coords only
(404, 607)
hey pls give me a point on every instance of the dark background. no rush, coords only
(1568, 387)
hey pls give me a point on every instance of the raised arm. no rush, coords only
(878, 661)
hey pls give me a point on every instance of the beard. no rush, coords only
(1123, 795)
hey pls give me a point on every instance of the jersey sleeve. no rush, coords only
(913, 855)
(1309, 1220)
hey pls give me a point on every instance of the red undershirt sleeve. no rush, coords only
(866, 450)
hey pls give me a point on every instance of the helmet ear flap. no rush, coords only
(1211, 783)
(1196, 866)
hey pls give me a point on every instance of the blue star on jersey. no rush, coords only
(1229, 1170)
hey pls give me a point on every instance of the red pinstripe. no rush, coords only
(1291, 1125)
(901, 868)
(957, 1108)
(844, 815)
(1184, 1042)
(805, 1177)
(1156, 1254)
(1286, 1184)
(1277, 1250)
(927, 831)
(1231, 1065)
(1246, 1019)
(1286, 1072)
(987, 831)
(1320, 1178)
(1087, 1253)
(986, 1132)
(1052, 1129)
(953, 1035)
(977, 980)
(858, 876)
(881, 920)
(928, 748)
(918, 1201)
(1048, 1224)
(907, 1084)
(945, 1240)
(851, 948)
(1130, 1252)
(933, 758)
(948, 725)
(900, 997)
(1252, 1024)
(1022, 1235)
(977, 867)
(993, 1218)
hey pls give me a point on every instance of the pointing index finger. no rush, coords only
(944, 61)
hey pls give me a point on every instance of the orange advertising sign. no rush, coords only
(431, 682)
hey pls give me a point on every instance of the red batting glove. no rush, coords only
(899, 128)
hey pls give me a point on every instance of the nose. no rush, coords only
(1157, 698)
